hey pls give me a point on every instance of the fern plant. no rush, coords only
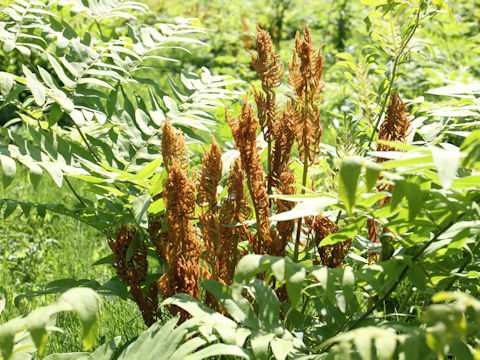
(79, 78)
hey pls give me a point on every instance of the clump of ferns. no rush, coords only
(203, 243)
(297, 124)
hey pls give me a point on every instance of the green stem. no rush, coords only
(299, 222)
(90, 149)
(392, 79)
(305, 165)
(269, 167)
(74, 192)
(257, 217)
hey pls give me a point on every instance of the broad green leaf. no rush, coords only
(414, 199)
(446, 161)
(348, 284)
(417, 276)
(9, 169)
(139, 207)
(309, 207)
(281, 348)
(249, 266)
(156, 207)
(278, 269)
(414, 196)
(62, 100)
(411, 347)
(385, 346)
(7, 334)
(240, 311)
(26, 207)
(9, 209)
(106, 351)
(325, 277)
(144, 343)
(36, 87)
(85, 303)
(295, 275)
(461, 350)
(349, 175)
(37, 325)
(371, 174)
(363, 343)
(346, 233)
(405, 160)
(6, 83)
(268, 305)
(54, 115)
(260, 345)
(54, 171)
(149, 169)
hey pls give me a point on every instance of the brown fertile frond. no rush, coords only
(284, 136)
(182, 247)
(179, 194)
(211, 238)
(396, 126)
(133, 271)
(239, 210)
(306, 71)
(284, 228)
(266, 63)
(210, 176)
(330, 255)
(234, 210)
(207, 197)
(269, 69)
(244, 132)
(173, 146)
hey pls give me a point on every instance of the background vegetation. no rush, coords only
(85, 88)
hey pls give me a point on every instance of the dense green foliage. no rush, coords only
(85, 87)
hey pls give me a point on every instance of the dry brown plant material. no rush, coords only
(234, 211)
(330, 255)
(284, 228)
(284, 136)
(210, 177)
(269, 70)
(173, 146)
(306, 71)
(395, 127)
(245, 134)
(181, 247)
(207, 197)
(133, 270)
